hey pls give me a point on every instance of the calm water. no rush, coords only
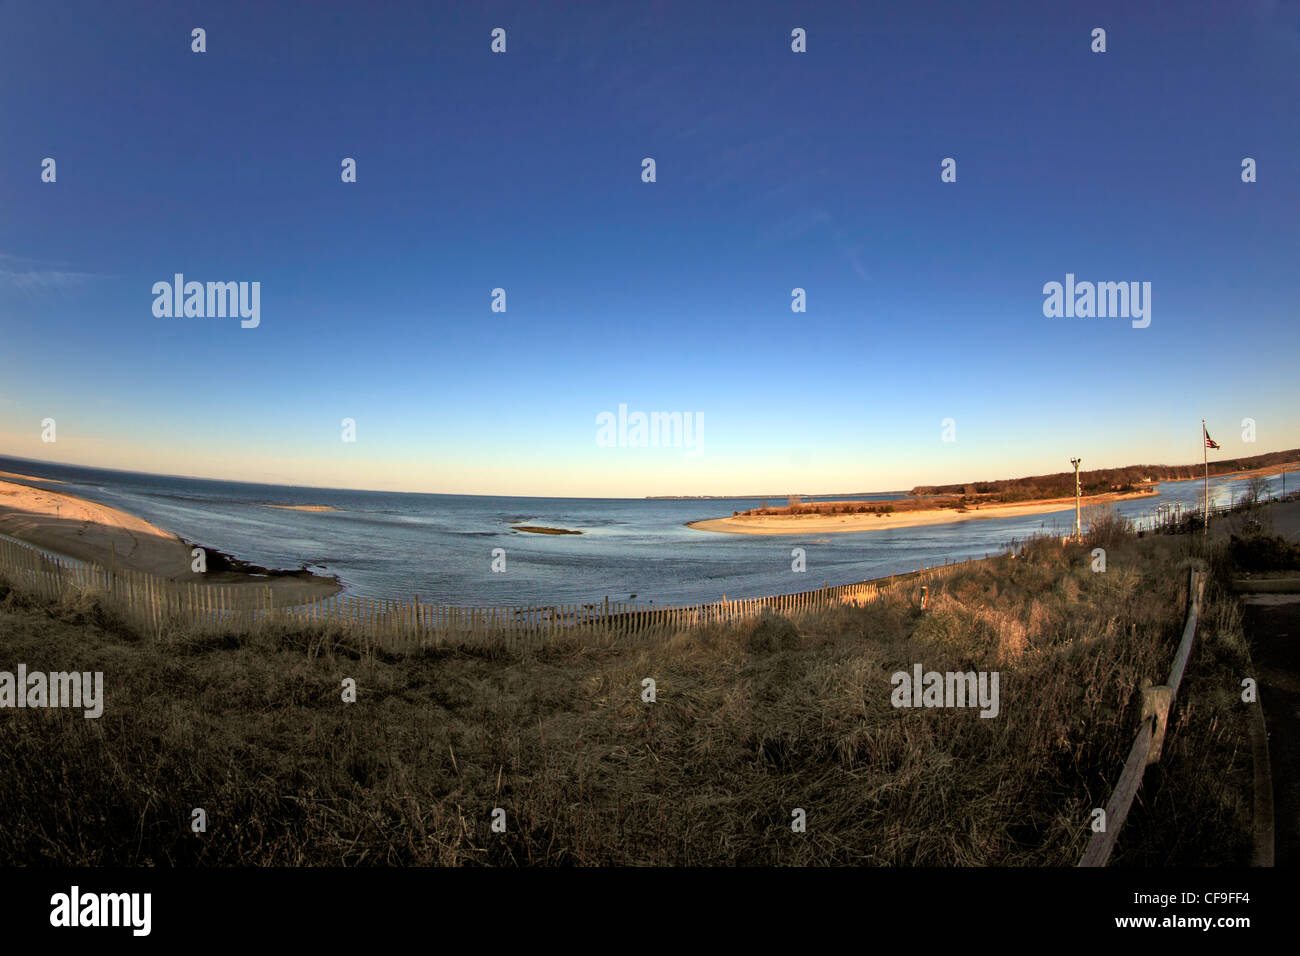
(384, 544)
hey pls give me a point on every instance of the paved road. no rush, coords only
(1272, 624)
(1286, 519)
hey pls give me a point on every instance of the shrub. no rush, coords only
(1256, 490)
(1106, 527)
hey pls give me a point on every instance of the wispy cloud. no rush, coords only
(34, 277)
(811, 218)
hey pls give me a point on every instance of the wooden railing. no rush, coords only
(156, 605)
(1156, 704)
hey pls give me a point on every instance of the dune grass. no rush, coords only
(749, 724)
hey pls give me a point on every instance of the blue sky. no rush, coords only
(522, 171)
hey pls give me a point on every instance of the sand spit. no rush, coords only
(93, 532)
(841, 523)
(48, 481)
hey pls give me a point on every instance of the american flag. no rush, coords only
(1209, 442)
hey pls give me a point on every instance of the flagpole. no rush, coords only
(1205, 455)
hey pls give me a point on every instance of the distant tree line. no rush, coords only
(1099, 481)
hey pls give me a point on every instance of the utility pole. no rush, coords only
(1078, 526)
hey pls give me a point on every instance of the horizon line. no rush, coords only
(244, 481)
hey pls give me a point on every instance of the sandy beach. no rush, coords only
(87, 531)
(841, 523)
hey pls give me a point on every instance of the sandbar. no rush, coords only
(841, 523)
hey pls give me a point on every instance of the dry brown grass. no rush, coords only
(750, 723)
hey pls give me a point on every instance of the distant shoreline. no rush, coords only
(1252, 472)
(21, 475)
